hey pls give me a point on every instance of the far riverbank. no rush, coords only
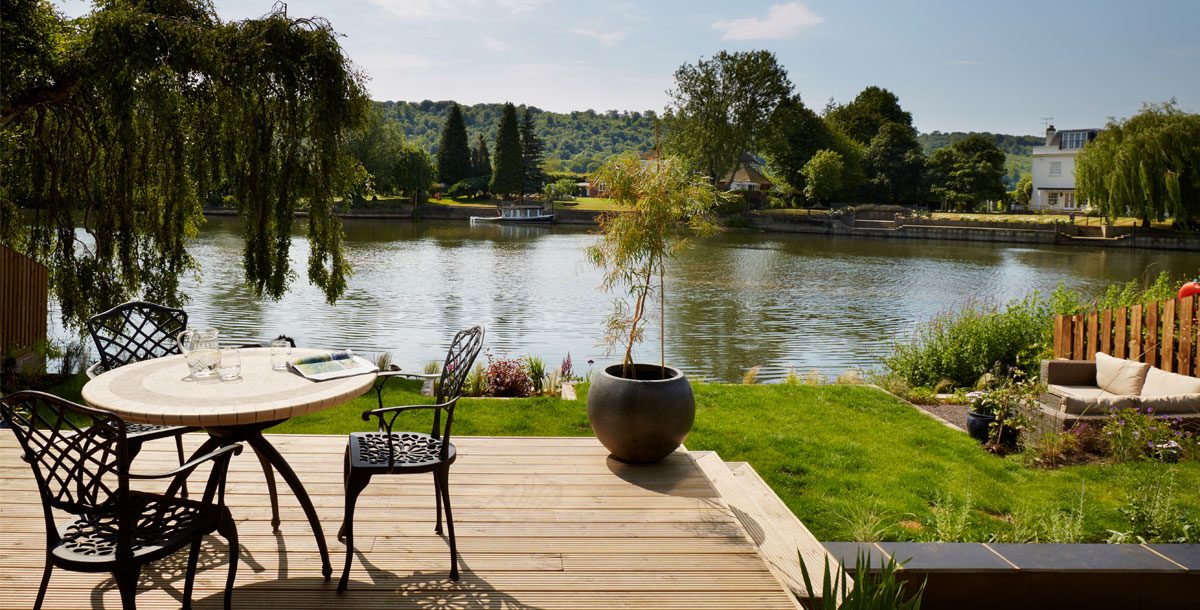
(871, 226)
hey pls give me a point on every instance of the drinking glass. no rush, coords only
(231, 364)
(281, 352)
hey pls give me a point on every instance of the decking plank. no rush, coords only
(540, 523)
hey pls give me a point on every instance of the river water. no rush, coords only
(734, 301)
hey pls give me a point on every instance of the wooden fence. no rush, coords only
(23, 301)
(1161, 334)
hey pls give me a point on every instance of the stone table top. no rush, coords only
(161, 392)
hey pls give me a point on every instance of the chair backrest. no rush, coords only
(136, 331)
(78, 454)
(459, 360)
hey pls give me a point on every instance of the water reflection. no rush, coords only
(735, 301)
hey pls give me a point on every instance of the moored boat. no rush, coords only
(519, 213)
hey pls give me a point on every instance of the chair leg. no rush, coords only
(227, 527)
(127, 580)
(341, 535)
(269, 472)
(437, 494)
(41, 596)
(189, 577)
(444, 479)
(355, 484)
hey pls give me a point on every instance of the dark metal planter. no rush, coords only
(977, 428)
(641, 420)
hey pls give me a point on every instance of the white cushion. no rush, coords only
(1182, 404)
(1117, 376)
(1161, 383)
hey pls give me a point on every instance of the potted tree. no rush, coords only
(642, 412)
(997, 414)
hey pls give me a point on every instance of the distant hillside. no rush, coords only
(580, 141)
(1017, 149)
(575, 142)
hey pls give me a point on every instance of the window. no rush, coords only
(1056, 168)
(1068, 200)
(1052, 198)
(1073, 139)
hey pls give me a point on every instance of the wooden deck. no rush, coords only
(541, 523)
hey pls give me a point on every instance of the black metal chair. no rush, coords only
(134, 331)
(389, 452)
(79, 457)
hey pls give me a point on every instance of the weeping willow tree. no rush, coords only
(1146, 166)
(117, 127)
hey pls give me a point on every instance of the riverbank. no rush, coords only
(862, 226)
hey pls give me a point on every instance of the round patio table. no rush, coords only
(160, 391)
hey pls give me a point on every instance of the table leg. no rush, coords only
(267, 451)
(211, 444)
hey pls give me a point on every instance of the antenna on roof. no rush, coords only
(1046, 121)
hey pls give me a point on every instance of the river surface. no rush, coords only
(734, 301)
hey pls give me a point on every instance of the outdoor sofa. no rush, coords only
(1088, 389)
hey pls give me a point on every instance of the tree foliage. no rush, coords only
(967, 172)
(896, 166)
(481, 162)
(662, 205)
(532, 177)
(1146, 166)
(823, 176)
(862, 118)
(453, 155)
(508, 170)
(118, 125)
(796, 134)
(722, 107)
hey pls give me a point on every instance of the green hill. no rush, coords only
(574, 142)
(1018, 150)
(580, 141)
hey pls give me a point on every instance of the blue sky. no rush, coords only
(956, 66)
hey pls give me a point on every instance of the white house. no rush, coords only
(1054, 169)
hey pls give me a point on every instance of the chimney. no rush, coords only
(1049, 134)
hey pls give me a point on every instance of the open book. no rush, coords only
(333, 365)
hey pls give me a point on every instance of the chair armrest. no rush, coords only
(94, 370)
(389, 410)
(1068, 372)
(191, 464)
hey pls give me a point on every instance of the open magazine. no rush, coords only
(342, 363)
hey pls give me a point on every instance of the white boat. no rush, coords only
(520, 213)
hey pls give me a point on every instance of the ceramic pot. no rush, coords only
(641, 420)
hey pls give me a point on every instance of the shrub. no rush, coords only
(961, 344)
(507, 377)
(1133, 434)
(536, 368)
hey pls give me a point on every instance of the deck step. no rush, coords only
(768, 522)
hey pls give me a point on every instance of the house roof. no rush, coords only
(746, 172)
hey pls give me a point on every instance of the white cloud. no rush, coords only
(494, 44)
(782, 21)
(427, 10)
(518, 6)
(607, 39)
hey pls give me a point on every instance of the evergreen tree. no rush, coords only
(532, 178)
(454, 155)
(507, 170)
(481, 162)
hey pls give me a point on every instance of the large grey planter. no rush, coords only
(641, 420)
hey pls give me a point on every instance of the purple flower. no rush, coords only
(1149, 409)
(1136, 434)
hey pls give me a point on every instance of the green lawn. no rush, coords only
(842, 457)
(595, 204)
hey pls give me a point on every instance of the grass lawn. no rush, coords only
(1080, 219)
(844, 458)
(595, 204)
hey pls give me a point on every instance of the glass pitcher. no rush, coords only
(199, 347)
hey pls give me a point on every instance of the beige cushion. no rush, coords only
(1089, 399)
(1117, 376)
(1176, 404)
(1161, 383)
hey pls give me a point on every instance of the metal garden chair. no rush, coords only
(136, 331)
(80, 460)
(390, 452)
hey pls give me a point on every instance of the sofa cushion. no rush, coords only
(1118, 376)
(1161, 383)
(1174, 404)
(1090, 400)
